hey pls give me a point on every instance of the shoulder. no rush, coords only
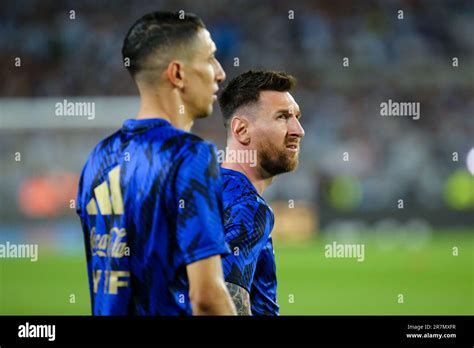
(106, 145)
(238, 192)
(183, 144)
(182, 150)
(248, 210)
(242, 204)
(102, 150)
(99, 157)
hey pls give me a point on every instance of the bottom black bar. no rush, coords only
(135, 331)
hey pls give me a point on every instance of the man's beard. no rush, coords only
(275, 161)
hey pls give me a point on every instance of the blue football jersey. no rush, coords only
(150, 202)
(248, 222)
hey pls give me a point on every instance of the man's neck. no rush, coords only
(165, 107)
(252, 173)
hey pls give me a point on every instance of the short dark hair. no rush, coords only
(157, 30)
(245, 89)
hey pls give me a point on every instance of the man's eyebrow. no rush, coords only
(288, 111)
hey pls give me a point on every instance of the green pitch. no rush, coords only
(430, 279)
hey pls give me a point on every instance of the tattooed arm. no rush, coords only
(241, 299)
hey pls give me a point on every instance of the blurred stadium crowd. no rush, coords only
(407, 59)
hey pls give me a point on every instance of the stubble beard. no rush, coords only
(276, 161)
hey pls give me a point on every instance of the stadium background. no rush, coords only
(408, 251)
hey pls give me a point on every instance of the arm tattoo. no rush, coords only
(241, 299)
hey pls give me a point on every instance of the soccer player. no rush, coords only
(150, 195)
(260, 115)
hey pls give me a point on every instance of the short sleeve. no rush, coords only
(198, 198)
(246, 234)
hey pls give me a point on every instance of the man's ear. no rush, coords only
(175, 73)
(239, 128)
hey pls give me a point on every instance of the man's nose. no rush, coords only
(220, 74)
(296, 128)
